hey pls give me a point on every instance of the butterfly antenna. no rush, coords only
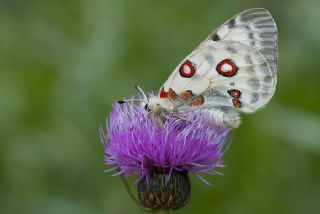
(145, 98)
(129, 100)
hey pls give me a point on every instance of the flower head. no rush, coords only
(160, 151)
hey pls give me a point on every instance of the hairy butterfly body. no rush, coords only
(233, 70)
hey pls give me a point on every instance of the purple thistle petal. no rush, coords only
(135, 142)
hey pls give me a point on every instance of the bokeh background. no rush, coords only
(63, 64)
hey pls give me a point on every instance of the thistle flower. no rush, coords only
(162, 153)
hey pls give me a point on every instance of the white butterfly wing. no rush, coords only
(234, 69)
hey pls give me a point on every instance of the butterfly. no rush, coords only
(234, 70)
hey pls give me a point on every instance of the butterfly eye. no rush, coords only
(187, 70)
(147, 108)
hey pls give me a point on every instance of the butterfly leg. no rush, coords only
(182, 118)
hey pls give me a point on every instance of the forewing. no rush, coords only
(254, 27)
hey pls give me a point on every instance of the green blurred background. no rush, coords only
(63, 63)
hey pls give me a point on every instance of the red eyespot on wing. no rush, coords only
(227, 68)
(187, 70)
(163, 94)
(198, 101)
(234, 93)
(172, 94)
(236, 103)
(186, 95)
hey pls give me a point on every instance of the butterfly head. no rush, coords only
(154, 106)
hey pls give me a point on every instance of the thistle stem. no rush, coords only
(126, 185)
(134, 199)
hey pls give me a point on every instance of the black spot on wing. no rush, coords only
(209, 58)
(232, 24)
(215, 37)
(231, 50)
